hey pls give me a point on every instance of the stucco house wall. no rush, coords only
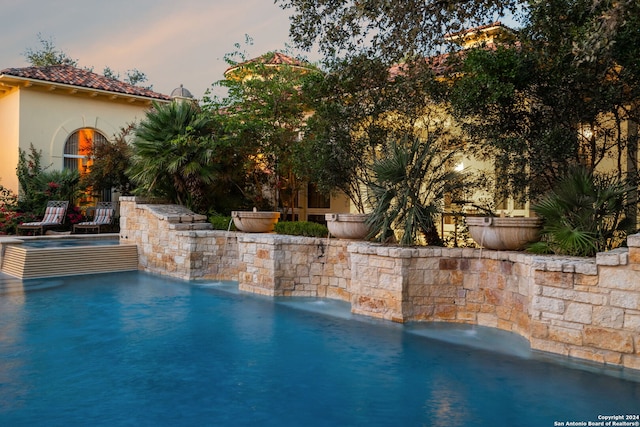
(43, 106)
(9, 137)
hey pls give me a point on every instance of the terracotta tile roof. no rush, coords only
(277, 58)
(66, 74)
(272, 59)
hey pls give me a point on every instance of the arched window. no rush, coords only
(78, 147)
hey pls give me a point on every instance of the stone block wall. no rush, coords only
(279, 265)
(174, 241)
(578, 307)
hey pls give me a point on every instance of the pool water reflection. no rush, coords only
(136, 349)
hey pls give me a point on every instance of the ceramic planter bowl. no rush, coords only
(504, 234)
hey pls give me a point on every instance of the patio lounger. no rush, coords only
(54, 217)
(103, 216)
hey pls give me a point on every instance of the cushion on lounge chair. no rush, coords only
(51, 216)
(103, 216)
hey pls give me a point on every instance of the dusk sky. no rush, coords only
(172, 42)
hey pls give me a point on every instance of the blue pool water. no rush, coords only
(131, 349)
(65, 243)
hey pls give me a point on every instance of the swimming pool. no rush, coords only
(141, 350)
(69, 242)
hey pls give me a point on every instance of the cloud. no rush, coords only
(172, 42)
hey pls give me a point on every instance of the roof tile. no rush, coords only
(73, 76)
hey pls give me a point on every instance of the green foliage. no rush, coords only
(544, 104)
(47, 55)
(59, 185)
(134, 77)
(393, 29)
(584, 215)
(39, 185)
(172, 155)
(10, 217)
(110, 163)
(262, 114)
(221, 222)
(28, 169)
(301, 228)
(409, 189)
(358, 107)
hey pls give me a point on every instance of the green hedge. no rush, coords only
(221, 222)
(302, 228)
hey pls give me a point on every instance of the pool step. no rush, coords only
(30, 263)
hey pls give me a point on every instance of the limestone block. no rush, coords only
(470, 281)
(608, 317)
(487, 319)
(445, 312)
(599, 356)
(608, 339)
(579, 313)
(554, 278)
(630, 361)
(625, 299)
(620, 278)
(633, 241)
(503, 313)
(632, 322)
(549, 346)
(564, 335)
(448, 264)
(466, 317)
(634, 254)
(550, 305)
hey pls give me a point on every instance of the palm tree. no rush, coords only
(409, 187)
(172, 154)
(584, 214)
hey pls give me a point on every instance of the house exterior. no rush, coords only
(61, 110)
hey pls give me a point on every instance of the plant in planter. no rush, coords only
(584, 215)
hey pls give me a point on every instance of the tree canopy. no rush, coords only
(389, 29)
(48, 54)
(264, 111)
(541, 105)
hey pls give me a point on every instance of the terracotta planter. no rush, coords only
(347, 226)
(255, 222)
(504, 234)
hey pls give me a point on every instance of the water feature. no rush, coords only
(136, 349)
(50, 256)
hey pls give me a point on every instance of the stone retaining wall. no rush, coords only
(579, 307)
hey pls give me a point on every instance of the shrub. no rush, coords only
(302, 228)
(583, 215)
(221, 222)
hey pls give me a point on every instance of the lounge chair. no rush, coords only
(53, 218)
(103, 216)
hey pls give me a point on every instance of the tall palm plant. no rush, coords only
(172, 154)
(409, 187)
